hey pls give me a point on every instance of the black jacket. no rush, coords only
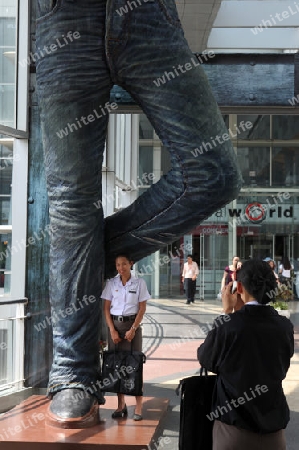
(251, 354)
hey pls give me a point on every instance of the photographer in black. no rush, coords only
(251, 355)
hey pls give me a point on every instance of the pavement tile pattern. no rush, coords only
(172, 332)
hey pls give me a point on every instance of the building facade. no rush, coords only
(263, 221)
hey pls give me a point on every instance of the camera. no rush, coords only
(234, 287)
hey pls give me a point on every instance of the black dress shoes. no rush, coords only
(73, 408)
(122, 413)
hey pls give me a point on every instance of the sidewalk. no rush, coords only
(172, 332)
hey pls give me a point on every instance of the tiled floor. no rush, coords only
(172, 333)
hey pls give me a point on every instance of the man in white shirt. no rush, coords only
(189, 275)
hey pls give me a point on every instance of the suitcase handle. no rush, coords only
(202, 370)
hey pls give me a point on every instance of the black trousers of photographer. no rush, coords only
(190, 288)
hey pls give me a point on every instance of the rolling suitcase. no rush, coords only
(196, 403)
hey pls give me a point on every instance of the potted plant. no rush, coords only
(280, 303)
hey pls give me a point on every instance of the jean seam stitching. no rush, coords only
(49, 15)
(166, 14)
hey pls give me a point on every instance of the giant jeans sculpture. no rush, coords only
(131, 49)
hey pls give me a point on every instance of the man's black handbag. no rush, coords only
(196, 404)
(122, 372)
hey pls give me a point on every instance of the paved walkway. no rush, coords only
(172, 332)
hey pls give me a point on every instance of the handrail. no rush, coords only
(3, 387)
(14, 301)
(28, 316)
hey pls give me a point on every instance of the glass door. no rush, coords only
(210, 252)
(255, 246)
(284, 246)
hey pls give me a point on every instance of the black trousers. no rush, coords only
(190, 288)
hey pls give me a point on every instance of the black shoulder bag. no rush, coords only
(122, 372)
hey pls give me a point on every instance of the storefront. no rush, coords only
(263, 221)
(259, 232)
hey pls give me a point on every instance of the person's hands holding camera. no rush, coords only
(229, 300)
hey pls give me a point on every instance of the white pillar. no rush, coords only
(19, 217)
(108, 171)
(157, 176)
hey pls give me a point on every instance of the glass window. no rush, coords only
(260, 128)
(146, 130)
(285, 166)
(8, 33)
(254, 163)
(6, 165)
(145, 161)
(285, 127)
(5, 263)
(6, 162)
(226, 120)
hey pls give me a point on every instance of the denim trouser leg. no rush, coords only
(144, 45)
(73, 83)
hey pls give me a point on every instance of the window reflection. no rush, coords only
(285, 166)
(260, 127)
(254, 161)
(6, 165)
(146, 130)
(8, 32)
(6, 162)
(285, 127)
(145, 164)
(255, 165)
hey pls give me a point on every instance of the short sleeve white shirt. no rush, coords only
(125, 299)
